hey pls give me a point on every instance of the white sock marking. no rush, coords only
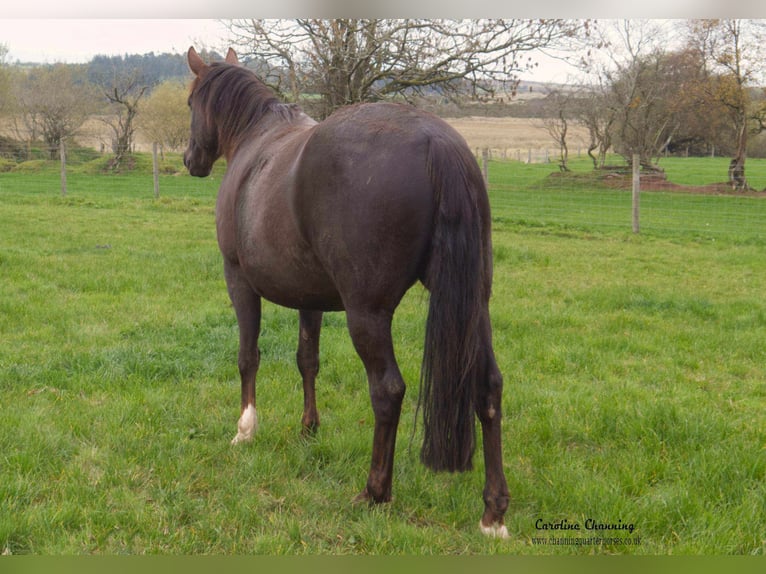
(247, 425)
(494, 530)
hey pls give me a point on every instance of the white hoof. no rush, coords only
(247, 425)
(494, 530)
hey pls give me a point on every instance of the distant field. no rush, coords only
(513, 134)
(634, 382)
(496, 133)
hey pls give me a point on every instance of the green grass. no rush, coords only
(634, 369)
(704, 171)
(533, 196)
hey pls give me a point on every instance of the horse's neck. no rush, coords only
(272, 127)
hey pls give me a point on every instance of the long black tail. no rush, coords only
(459, 276)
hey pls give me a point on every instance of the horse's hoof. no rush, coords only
(241, 438)
(309, 429)
(363, 498)
(247, 425)
(494, 530)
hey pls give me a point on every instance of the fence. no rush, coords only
(526, 155)
(692, 197)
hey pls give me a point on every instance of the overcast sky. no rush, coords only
(78, 40)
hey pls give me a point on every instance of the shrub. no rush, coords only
(35, 166)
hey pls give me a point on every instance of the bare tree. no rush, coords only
(556, 123)
(123, 90)
(635, 73)
(345, 61)
(5, 84)
(54, 101)
(594, 111)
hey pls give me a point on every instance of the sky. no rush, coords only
(72, 41)
(77, 40)
(89, 32)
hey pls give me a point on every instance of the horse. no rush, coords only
(346, 215)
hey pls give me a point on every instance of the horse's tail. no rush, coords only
(459, 277)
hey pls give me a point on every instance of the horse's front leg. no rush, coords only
(308, 365)
(247, 305)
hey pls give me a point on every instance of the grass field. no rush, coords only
(634, 369)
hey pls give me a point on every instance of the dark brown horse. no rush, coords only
(348, 214)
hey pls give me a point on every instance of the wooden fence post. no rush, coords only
(155, 171)
(636, 191)
(62, 155)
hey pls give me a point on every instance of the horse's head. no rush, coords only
(204, 146)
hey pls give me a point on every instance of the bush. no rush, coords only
(35, 166)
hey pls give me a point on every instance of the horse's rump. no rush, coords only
(364, 201)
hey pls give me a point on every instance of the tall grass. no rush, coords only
(633, 365)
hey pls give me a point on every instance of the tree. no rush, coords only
(123, 87)
(733, 52)
(5, 85)
(556, 123)
(54, 102)
(640, 91)
(593, 110)
(344, 61)
(701, 124)
(165, 116)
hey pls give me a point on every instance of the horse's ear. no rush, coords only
(231, 57)
(196, 64)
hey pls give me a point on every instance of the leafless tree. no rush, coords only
(594, 110)
(344, 61)
(123, 90)
(631, 82)
(53, 103)
(556, 123)
(5, 84)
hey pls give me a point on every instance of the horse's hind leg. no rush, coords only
(489, 412)
(371, 335)
(247, 306)
(308, 365)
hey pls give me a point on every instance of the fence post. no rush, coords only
(636, 191)
(155, 171)
(62, 155)
(485, 164)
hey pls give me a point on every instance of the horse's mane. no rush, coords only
(238, 99)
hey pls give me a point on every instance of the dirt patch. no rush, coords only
(658, 182)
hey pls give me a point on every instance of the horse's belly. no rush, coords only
(297, 287)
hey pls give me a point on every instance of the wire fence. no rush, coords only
(691, 196)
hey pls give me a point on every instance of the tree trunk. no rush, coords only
(593, 146)
(737, 177)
